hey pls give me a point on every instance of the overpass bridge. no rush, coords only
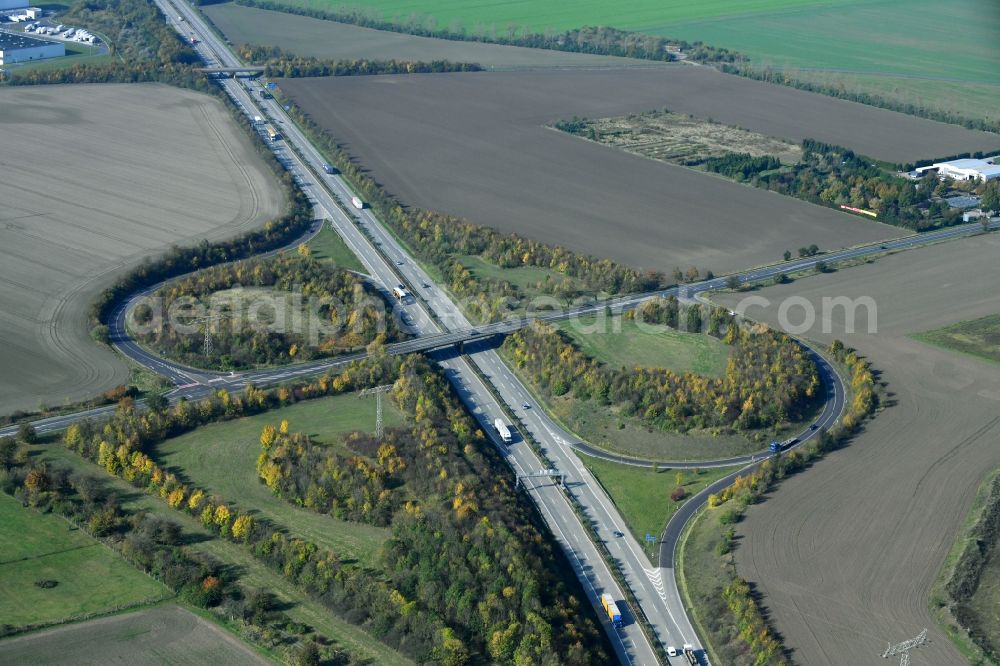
(248, 70)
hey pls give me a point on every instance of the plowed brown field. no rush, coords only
(95, 178)
(476, 145)
(845, 552)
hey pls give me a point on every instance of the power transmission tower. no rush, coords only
(903, 649)
(377, 391)
(206, 346)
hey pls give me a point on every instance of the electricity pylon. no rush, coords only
(377, 391)
(903, 649)
(206, 346)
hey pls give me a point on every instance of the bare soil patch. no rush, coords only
(846, 552)
(684, 139)
(166, 635)
(94, 178)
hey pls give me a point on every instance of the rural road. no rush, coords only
(439, 323)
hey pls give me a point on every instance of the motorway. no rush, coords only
(432, 313)
(438, 323)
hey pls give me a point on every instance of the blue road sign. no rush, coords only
(650, 537)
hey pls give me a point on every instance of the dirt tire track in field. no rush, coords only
(208, 123)
(971, 439)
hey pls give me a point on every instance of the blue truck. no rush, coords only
(778, 447)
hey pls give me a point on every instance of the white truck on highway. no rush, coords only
(399, 291)
(357, 203)
(503, 431)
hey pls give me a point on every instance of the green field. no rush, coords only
(622, 342)
(643, 496)
(978, 337)
(606, 427)
(922, 47)
(541, 15)
(328, 245)
(252, 573)
(222, 458)
(90, 578)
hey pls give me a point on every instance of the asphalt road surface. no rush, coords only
(439, 323)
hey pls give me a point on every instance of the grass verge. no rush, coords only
(643, 495)
(977, 337)
(329, 246)
(983, 606)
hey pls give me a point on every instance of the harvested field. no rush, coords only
(307, 36)
(165, 635)
(475, 145)
(845, 553)
(685, 140)
(95, 178)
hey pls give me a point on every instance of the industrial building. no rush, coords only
(967, 169)
(13, 4)
(15, 48)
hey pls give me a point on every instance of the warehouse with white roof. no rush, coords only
(15, 47)
(967, 169)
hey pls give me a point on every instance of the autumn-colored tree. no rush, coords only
(242, 526)
(221, 515)
(36, 480)
(176, 498)
(268, 436)
(194, 502)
